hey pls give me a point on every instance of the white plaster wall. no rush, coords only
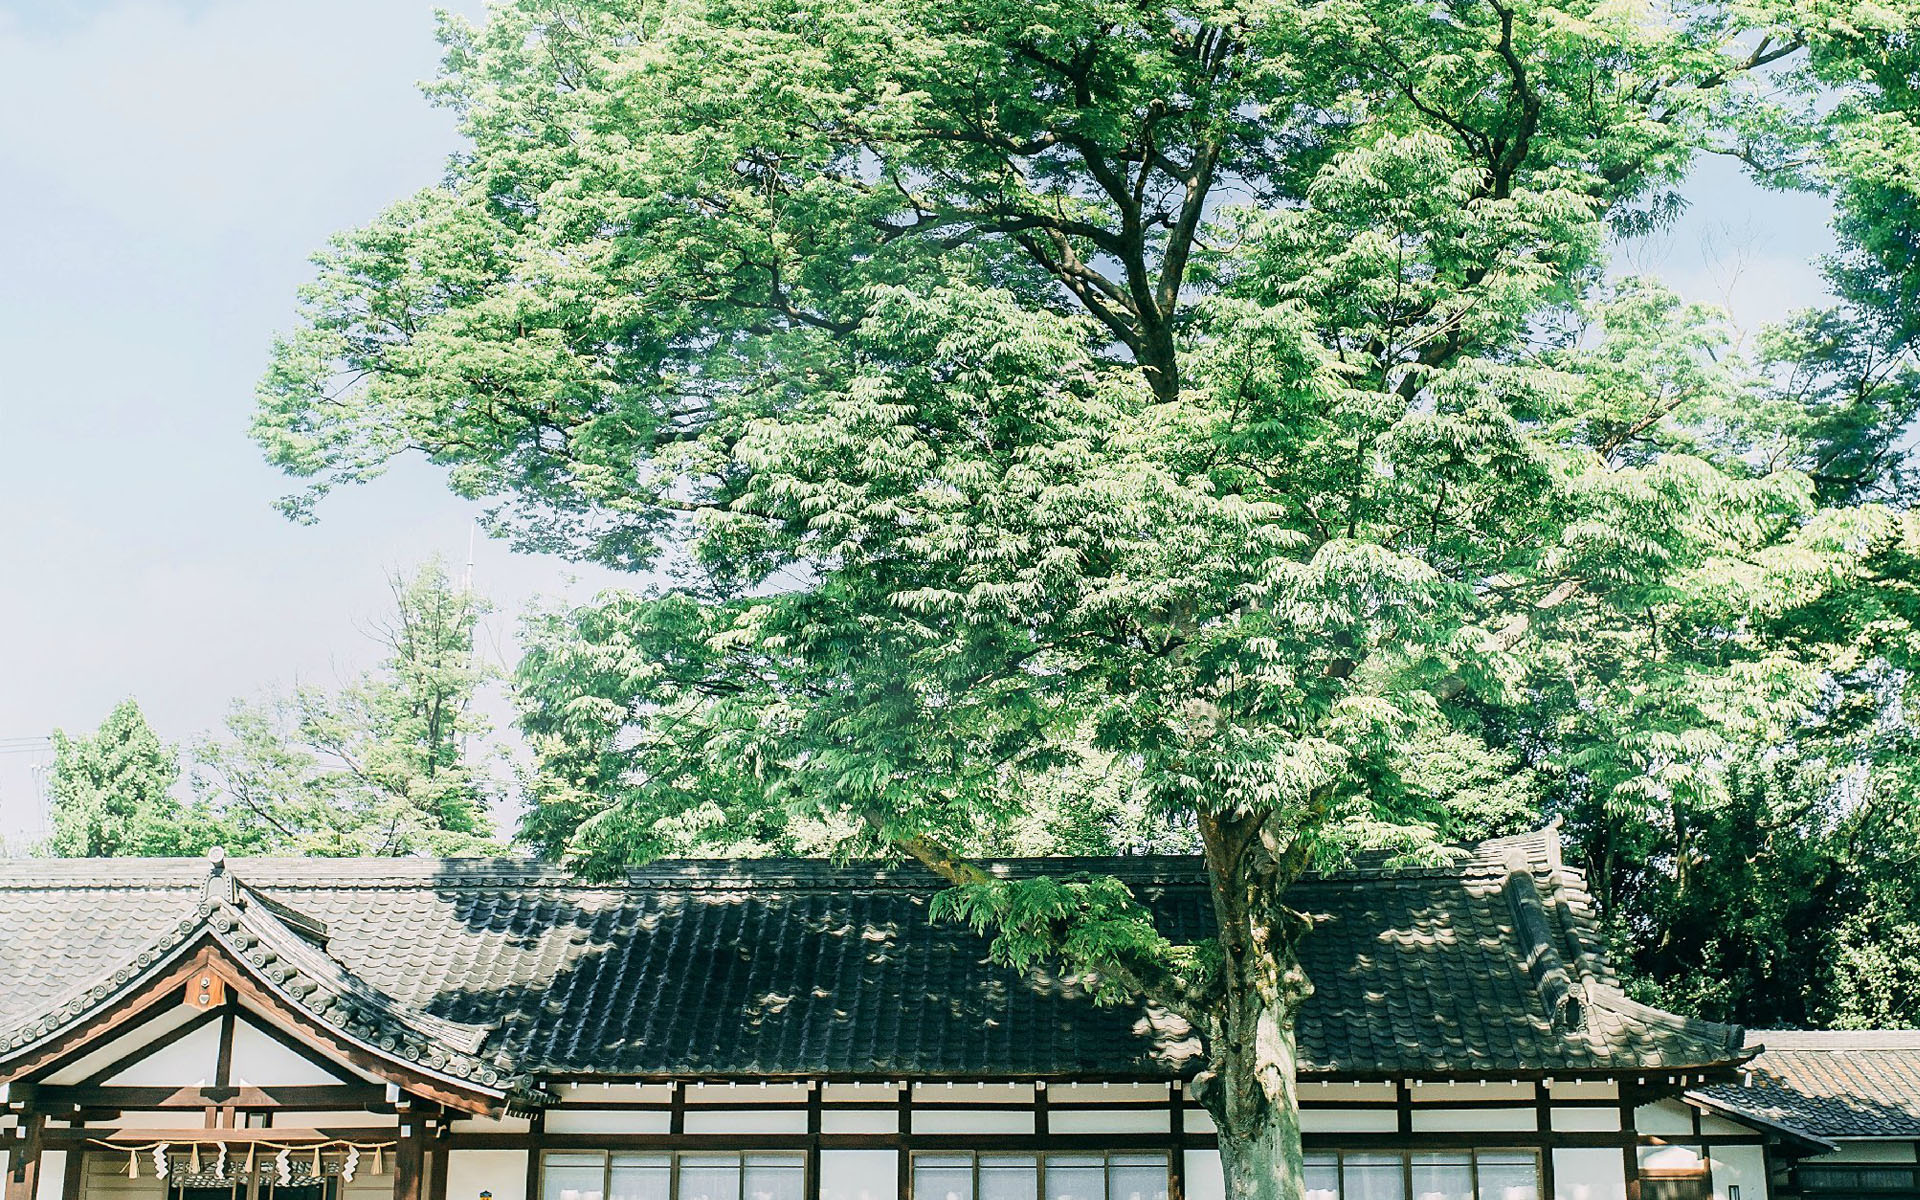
(502, 1172)
(1205, 1179)
(1453, 1092)
(1585, 1120)
(1137, 1120)
(1380, 1093)
(1663, 1117)
(187, 1062)
(588, 1094)
(1671, 1158)
(1094, 1093)
(1720, 1125)
(985, 1093)
(562, 1120)
(972, 1122)
(856, 1175)
(732, 1093)
(1453, 1119)
(864, 1093)
(53, 1175)
(1199, 1120)
(748, 1121)
(1744, 1167)
(859, 1121)
(260, 1061)
(1581, 1173)
(1584, 1089)
(327, 1120)
(1348, 1120)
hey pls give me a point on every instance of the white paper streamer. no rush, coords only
(283, 1166)
(160, 1159)
(350, 1164)
(220, 1162)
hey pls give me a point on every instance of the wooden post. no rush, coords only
(23, 1156)
(409, 1157)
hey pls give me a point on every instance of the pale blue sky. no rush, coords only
(165, 168)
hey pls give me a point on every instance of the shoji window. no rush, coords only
(1423, 1175)
(596, 1175)
(1093, 1176)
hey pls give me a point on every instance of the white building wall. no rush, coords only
(1473, 1119)
(53, 1175)
(1744, 1167)
(1586, 1173)
(1205, 1178)
(1135, 1120)
(502, 1172)
(856, 1175)
(560, 1120)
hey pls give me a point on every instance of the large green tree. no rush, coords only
(386, 765)
(113, 794)
(1211, 422)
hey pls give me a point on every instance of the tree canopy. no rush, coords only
(1218, 425)
(112, 794)
(386, 765)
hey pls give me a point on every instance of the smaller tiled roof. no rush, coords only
(1840, 1084)
(286, 950)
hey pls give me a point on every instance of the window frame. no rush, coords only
(796, 1159)
(1406, 1155)
(1040, 1165)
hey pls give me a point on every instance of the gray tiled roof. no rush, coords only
(1843, 1084)
(786, 968)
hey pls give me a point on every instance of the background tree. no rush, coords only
(383, 766)
(1221, 408)
(112, 794)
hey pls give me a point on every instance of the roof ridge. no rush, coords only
(1540, 848)
(1831, 1041)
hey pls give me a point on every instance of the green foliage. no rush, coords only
(113, 794)
(1209, 423)
(382, 766)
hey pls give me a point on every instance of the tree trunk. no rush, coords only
(1258, 1108)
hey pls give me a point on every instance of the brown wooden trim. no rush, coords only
(311, 1097)
(67, 1139)
(223, 1061)
(1435, 1139)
